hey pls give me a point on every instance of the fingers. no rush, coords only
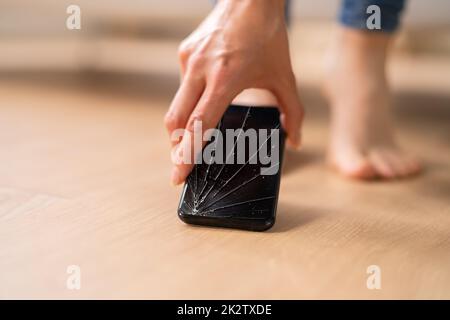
(184, 53)
(183, 104)
(206, 115)
(291, 111)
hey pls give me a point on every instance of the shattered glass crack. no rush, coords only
(232, 194)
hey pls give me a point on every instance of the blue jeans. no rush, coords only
(353, 13)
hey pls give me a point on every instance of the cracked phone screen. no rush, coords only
(237, 187)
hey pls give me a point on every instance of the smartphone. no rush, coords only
(235, 181)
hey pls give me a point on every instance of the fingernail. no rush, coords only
(176, 176)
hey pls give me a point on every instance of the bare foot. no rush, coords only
(362, 139)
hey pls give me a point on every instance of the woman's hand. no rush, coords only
(241, 44)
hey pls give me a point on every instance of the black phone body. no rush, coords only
(236, 189)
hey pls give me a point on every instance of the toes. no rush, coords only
(413, 165)
(398, 164)
(354, 166)
(385, 163)
(382, 165)
(360, 170)
(404, 164)
(391, 164)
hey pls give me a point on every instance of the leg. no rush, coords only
(362, 137)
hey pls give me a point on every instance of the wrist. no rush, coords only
(267, 14)
(269, 6)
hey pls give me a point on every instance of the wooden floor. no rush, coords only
(84, 180)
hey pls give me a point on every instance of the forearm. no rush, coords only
(261, 8)
(279, 4)
(267, 15)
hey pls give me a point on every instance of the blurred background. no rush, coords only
(129, 49)
(139, 38)
(85, 165)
